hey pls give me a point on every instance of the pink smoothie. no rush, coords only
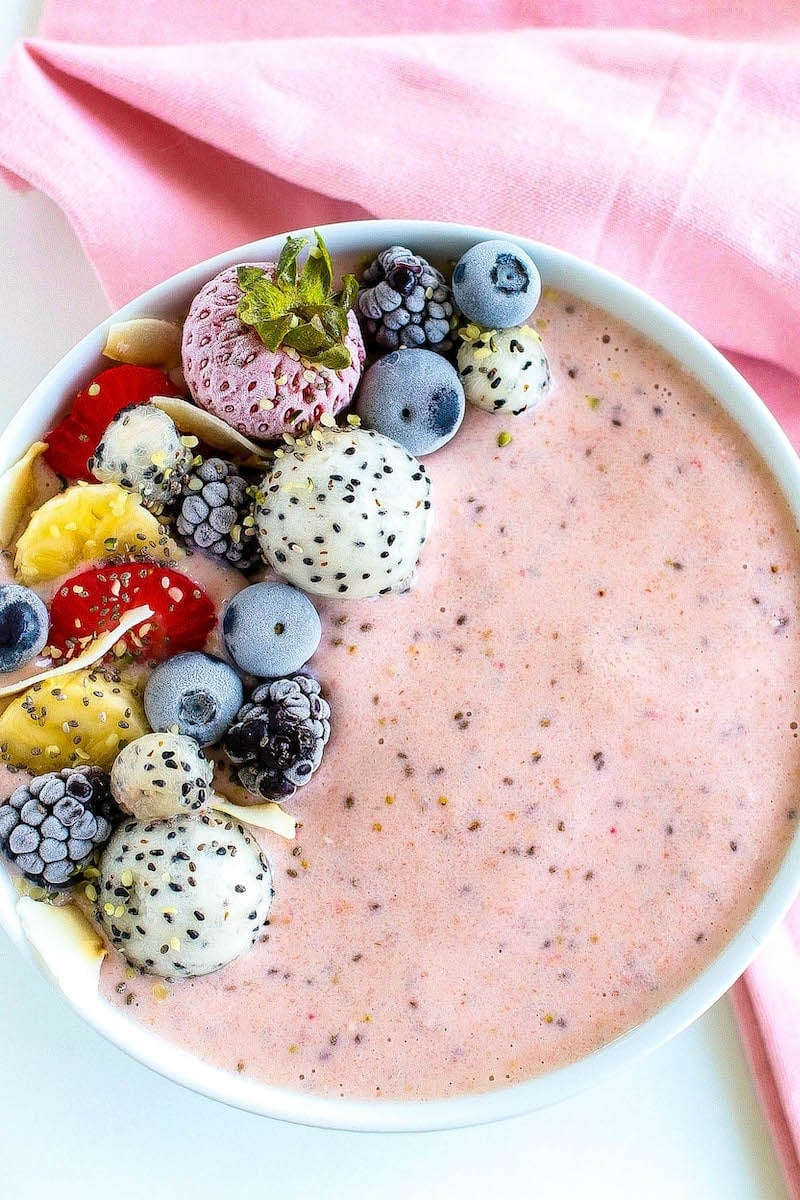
(563, 767)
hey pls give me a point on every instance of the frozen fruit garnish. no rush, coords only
(405, 302)
(496, 284)
(300, 310)
(233, 374)
(73, 720)
(503, 370)
(162, 775)
(51, 826)
(189, 895)
(84, 523)
(95, 600)
(345, 513)
(414, 397)
(73, 441)
(216, 513)
(196, 693)
(143, 452)
(23, 626)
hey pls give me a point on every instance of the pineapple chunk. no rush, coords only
(85, 523)
(71, 721)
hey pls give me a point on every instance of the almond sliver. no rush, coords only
(66, 943)
(260, 816)
(92, 654)
(18, 492)
(144, 342)
(214, 432)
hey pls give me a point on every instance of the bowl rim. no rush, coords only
(441, 241)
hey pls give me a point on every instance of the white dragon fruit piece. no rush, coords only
(185, 897)
(142, 451)
(161, 775)
(345, 513)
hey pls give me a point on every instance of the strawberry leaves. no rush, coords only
(297, 308)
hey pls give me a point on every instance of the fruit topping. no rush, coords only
(194, 693)
(18, 492)
(72, 442)
(278, 738)
(162, 775)
(414, 397)
(404, 301)
(503, 370)
(345, 513)
(496, 284)
(182, 898)
(72, 720)
(270, 351)
(145, 342)
(216, 513)
(96, 649)
(66, 943)
(270, 629)
(212, 431)
(143, 452)
(23, 626)
(51, 826)
(87, 522)
(95, 600)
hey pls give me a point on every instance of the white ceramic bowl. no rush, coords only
(348, 243)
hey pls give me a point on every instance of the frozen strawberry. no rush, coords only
(93, 601)
(74, 439)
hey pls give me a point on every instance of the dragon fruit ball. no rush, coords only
(261, 392)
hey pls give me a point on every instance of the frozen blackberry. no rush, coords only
(277, 740)
(404, 301)
(215, 513)
(51, 826)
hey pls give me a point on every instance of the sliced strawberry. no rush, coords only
(73, 441)
(93, 601)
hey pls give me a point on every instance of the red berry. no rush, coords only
(93, 601)
(74, 439)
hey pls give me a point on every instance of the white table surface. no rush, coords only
(76, 1115)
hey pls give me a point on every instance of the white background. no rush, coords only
(77, 1116)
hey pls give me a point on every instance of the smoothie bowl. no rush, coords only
(424, 742)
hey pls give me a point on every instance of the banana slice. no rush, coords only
(144, 342)
(18, 491)
(66, 943)
(207, 428)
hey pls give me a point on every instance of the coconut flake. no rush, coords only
(261, 816)
(212, 430)
(18, 492)
(144, 342)
(96, 650)
(66, 943)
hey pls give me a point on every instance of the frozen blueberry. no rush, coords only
(271, 629)
(496, 284)
(199, 694)
(414, 397)
(24, 625)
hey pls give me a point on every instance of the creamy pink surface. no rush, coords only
(562, 768)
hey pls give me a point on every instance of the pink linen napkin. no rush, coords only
(661, 140)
